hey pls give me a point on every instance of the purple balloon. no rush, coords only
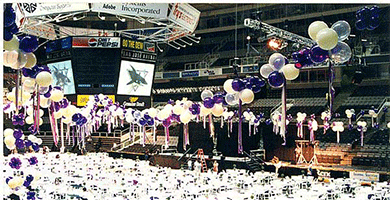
(9, 16)
(218, 98)
(167, 122)
(143, 121)
(195, 109)
(7, 34)
(18, 134)
(19, 143)
(363, 13)
(318, 55)
(275, 79)
(238, 85)
(28, 44)
(373, 23)
(208, 102)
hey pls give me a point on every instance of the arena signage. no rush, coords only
(364, 176)
(39, 9)
(185, 15)
(96, 42)
(190, 73)
(153, 10)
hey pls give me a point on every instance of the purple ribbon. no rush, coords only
(240, 147)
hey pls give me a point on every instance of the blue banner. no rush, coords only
(189, 74)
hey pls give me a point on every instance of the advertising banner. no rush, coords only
(135, 101)
(185, 15)
(152, 10)
(39, 9)
(190, 73)
(210, 72)
(364, 176)
(96, 42)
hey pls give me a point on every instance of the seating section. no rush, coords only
(377, 90)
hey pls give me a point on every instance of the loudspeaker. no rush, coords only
(357, 77)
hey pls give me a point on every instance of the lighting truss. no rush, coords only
(274, 31)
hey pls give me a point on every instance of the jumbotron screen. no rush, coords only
(135, 78)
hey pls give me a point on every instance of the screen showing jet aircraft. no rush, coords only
(63, 76)
(135, 78)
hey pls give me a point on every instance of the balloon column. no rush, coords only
(300, 119)
(277, 71)
(367, 18)
(313, 126)
(361, 127)
(241, 91)
(338, 127)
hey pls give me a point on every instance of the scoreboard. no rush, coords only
(119, 67)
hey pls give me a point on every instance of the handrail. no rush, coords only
(381, 107)
(253, 156)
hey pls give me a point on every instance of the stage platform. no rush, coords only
(287, 168)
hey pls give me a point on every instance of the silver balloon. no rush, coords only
(232, 99)
(341, 53)
(342, 29)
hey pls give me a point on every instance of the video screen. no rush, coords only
(135, 78)
(63, 76)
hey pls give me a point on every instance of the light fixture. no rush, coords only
(120, 19)
(248, 37)
(158, 47)
(275, 44)
(76, 18)
(101, 17)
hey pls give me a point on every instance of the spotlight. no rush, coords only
(274, 44)
(248, 37)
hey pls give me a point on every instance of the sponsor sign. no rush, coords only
(96, 42)
(82, 100)
(56, 45)
(58, 55)
(189, 74)
(138, 55)
(138, 45)
(39, 9)
(171, 75)
(364, 176)
(152, 10)
(185, 15)
(135, 101)
(210, 72)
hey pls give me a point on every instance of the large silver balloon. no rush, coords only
(341, 53)
(342, 29)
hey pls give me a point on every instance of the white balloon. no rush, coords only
(8, 132)
(178, 109)
(217, 110)
(31, 61)
(39, 141)
(58, 114)
(206, 93)
(10, 58)
(11, 45)
(9, 140)
(204, 111)
(315, 27)
(227, 86)
(29, 120)
(57, 95)
(327, 38)
(290, 72)
(31, 137)
(21, 61)
(388, 125)
(44, 102)
(247, 96)
(265, 70)
(152, 112)
(168, 107)
(44, 79)
(27, 81)
(185, 117)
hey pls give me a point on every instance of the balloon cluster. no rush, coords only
(16, 139)
(212, 103)
(329, 44)
(367, 18)
(277, 70)
(242, 89)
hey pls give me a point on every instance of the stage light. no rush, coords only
(274, 44)
(248, 37)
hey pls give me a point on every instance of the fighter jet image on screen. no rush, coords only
(136, 77)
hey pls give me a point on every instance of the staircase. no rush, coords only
(127, 140)
(202, 160)
(343, 96)
(255, 163)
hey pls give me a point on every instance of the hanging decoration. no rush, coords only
(367, 18)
